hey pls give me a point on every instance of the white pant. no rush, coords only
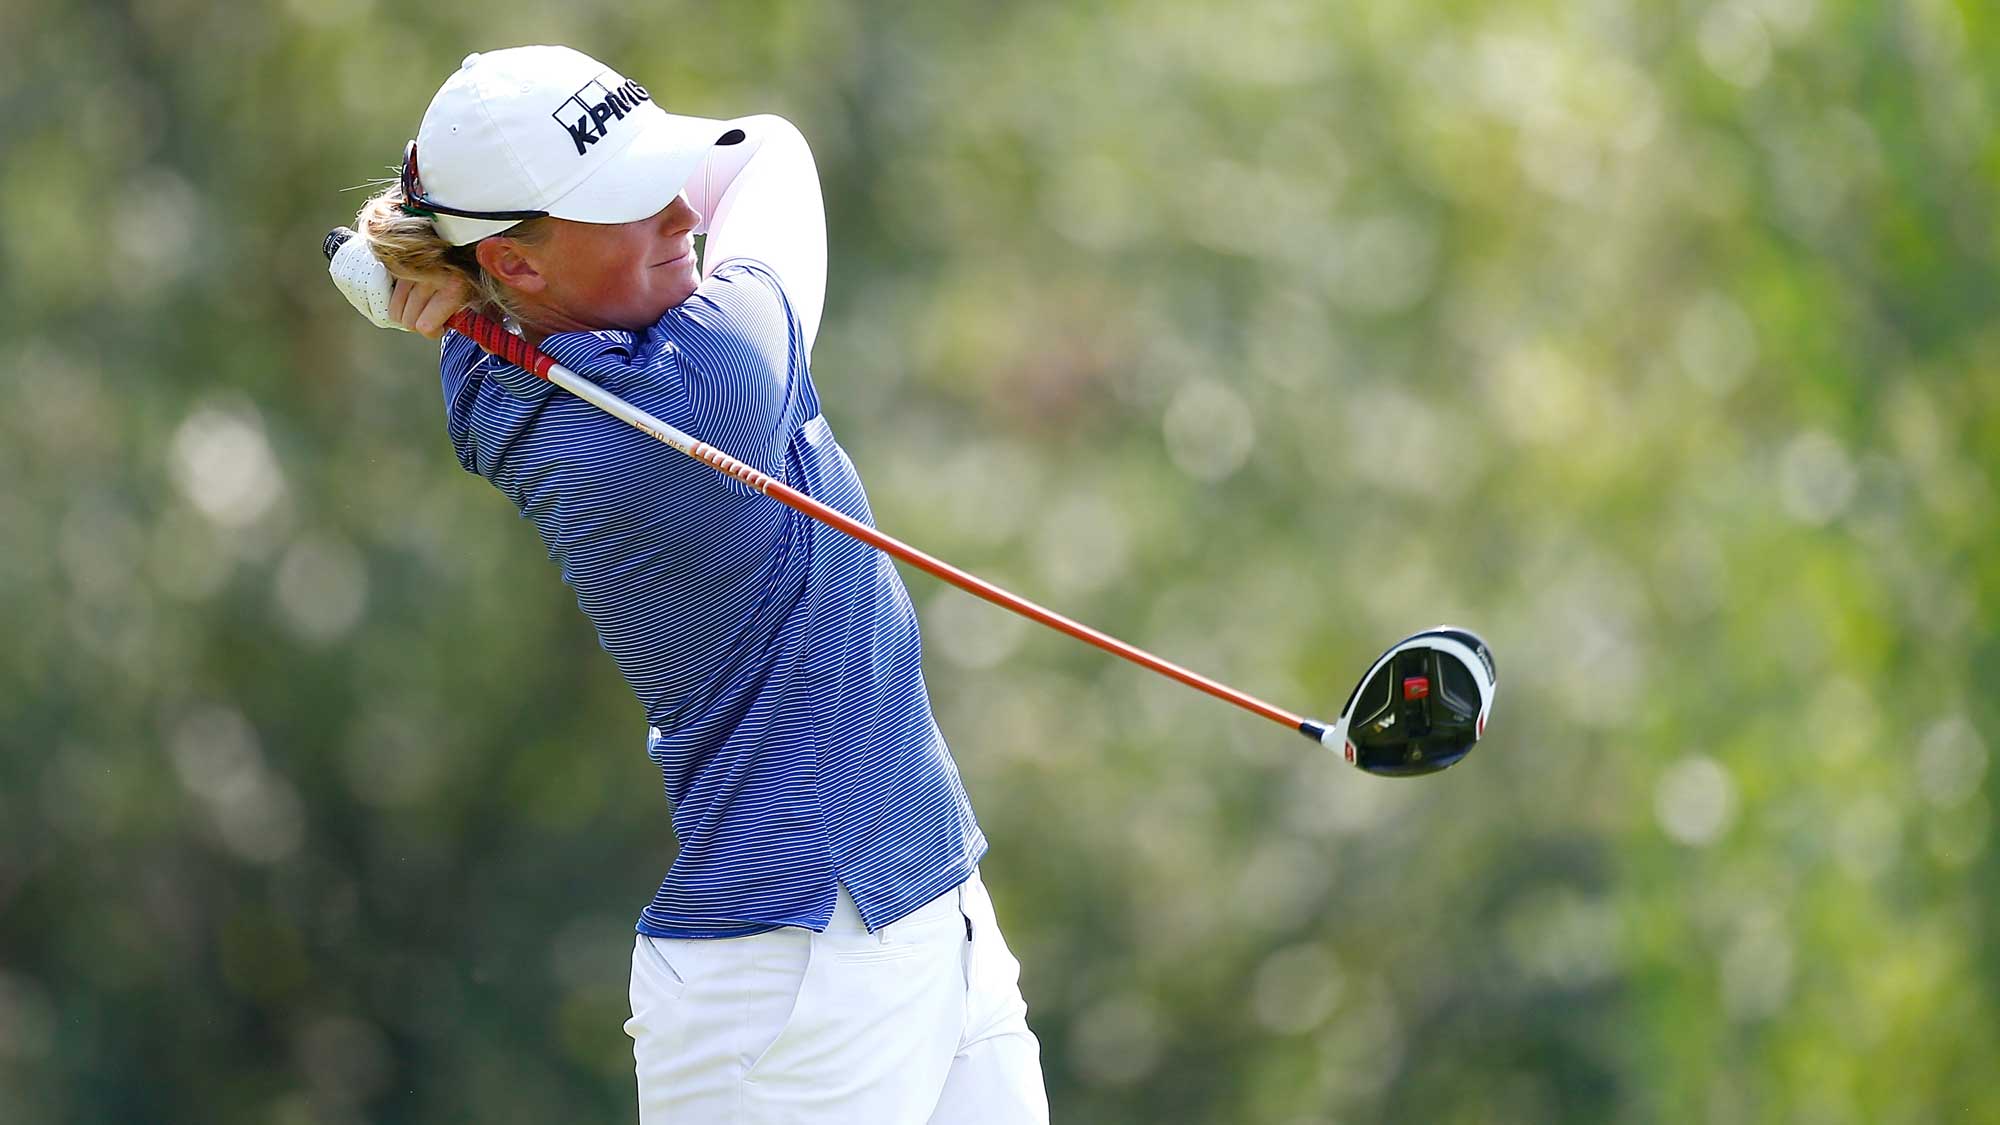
(911, 1025)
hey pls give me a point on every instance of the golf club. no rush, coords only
(1420, 708)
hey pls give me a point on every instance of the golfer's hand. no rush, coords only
(423, 308)
(389, 302)
(363, 280)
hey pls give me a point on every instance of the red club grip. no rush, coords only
(488, 334)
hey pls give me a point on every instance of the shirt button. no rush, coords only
(469, 60)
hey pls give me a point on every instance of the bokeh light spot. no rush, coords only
(224, 466)
(1757, 968)
(1695, 801)
(1716, 343)
(1816, 478)
(1951, 761)
(322, 587)
(1116, 1042)
(1561, 935)
(1868, 838)
(1295, 989)
(1209, 430)
(257, 814)
(1734, 44)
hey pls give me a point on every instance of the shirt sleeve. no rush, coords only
(459, 362)
(760, 199)
(457, 356)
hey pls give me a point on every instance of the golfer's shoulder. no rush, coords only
(740, 314)
(749, 290)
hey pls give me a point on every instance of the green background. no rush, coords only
(1656, 341)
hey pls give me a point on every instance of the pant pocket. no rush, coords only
(654, 974)
(778, 995)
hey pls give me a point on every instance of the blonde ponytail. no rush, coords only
(412, 249)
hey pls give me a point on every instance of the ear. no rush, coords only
(502, 258)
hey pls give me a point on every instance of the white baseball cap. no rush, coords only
(531, 131)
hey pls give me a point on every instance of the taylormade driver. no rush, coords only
(1421, 707)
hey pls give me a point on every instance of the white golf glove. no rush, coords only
(364, 281)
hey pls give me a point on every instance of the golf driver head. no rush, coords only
(1421, 707)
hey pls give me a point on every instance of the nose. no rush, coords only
(680, 217)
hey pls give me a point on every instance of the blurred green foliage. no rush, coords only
(1656, 341)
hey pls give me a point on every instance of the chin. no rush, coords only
(679, 293)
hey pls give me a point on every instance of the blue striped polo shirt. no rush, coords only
(777, 660)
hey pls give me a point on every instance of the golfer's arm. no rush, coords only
(760, 199)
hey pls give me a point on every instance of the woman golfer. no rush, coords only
(822, 949)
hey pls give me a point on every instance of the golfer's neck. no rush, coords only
(540, 322)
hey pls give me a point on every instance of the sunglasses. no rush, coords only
(416, 202)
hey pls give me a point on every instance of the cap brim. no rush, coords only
(635, 184)
(640, 181)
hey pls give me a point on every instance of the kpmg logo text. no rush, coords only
(590, 111)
